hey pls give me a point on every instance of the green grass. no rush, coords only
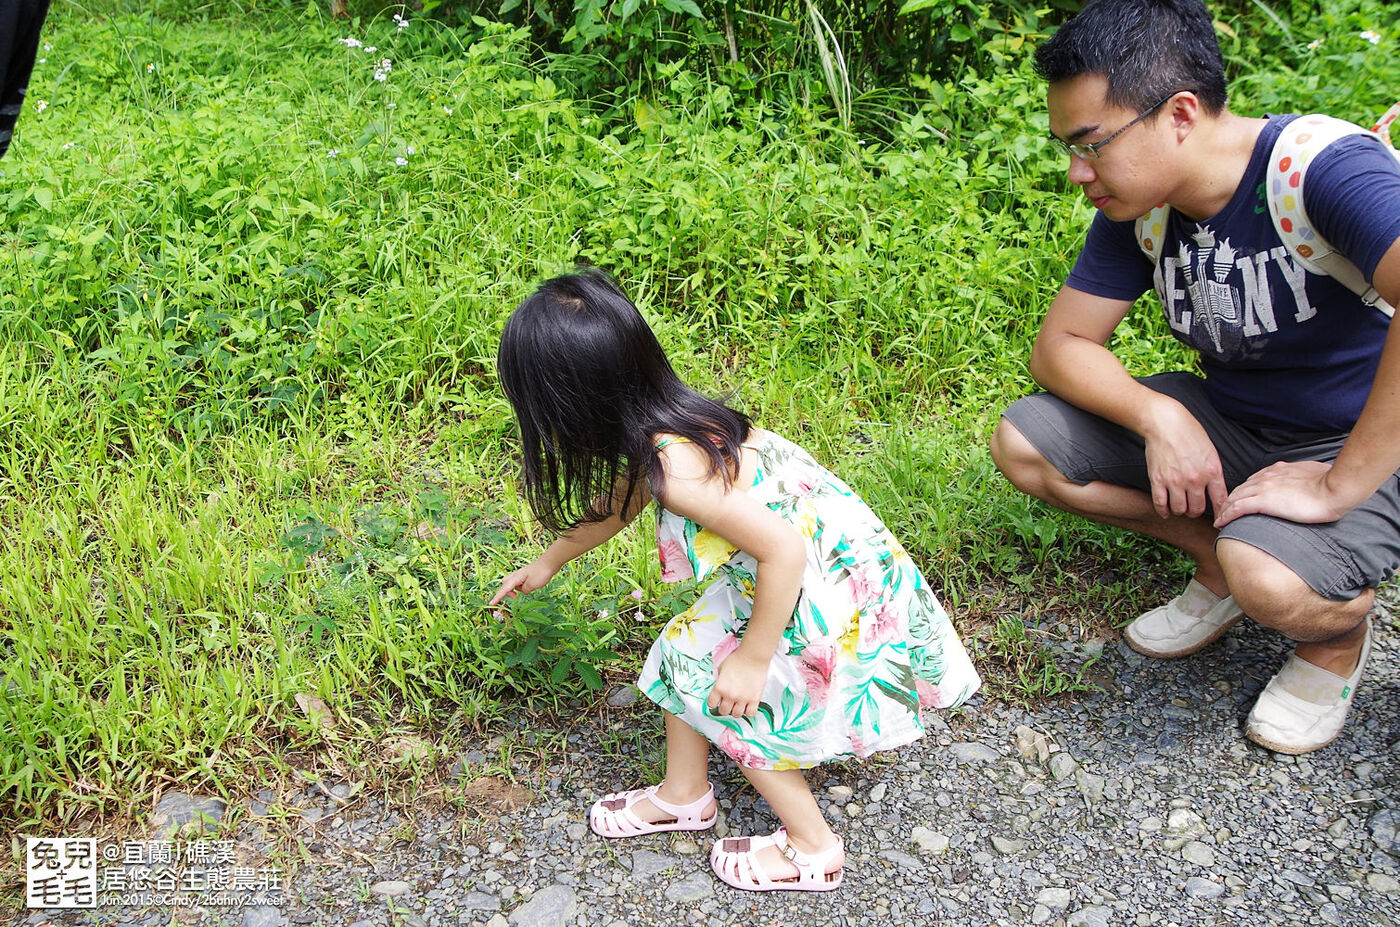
(251, 442)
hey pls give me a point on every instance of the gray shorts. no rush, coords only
(1338, 559)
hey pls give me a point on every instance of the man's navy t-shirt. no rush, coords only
(1281, 348)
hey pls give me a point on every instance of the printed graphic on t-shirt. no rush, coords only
(1226, 302)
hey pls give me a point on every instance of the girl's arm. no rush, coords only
(575, 542)
(692, 492)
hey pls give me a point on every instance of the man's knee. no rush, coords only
(1270, 592)
(1018, 460)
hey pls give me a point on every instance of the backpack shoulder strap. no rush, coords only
(1300, 142)
(1151, 229)
(1382, 126)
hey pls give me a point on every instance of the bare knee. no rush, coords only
(1275, 596)
(1018, 460)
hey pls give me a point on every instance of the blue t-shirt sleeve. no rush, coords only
(1111, 264)
(1352, 194)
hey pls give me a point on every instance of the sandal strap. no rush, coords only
(692, 810)
(811, 866)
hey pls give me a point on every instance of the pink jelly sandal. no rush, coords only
(612, 815)
(735, 861)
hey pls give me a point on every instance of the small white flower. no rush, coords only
(392, 105)
(1315, 44)
(603, 613)
(370, 49)
(386, 64)
(67, 145)
(410, 149)
(447, 110)
(48, 46)
(1371, 36)
(381, 75)
(40, 105)
(150, 67)
(333, 153)
(401, 162)
(351, 43)
(42, 61)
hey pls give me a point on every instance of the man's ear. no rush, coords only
(1184, 111)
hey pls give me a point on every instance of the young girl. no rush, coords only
(816, 638)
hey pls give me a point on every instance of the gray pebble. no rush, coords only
(929, 841)
(1385, 830)
(1091, 916)
(551, 906)
(185, 815)
(694, 887)
(1380, 882)
(1089, 785)
(901, 859)
(623, 696)
(262, 916)
(1204, 889)
(1007, 846)
(390, 888)
(1062, 766)
(1199, 853)
(964, 753)
(479, 901)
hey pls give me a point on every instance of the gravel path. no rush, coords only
(1150, 808)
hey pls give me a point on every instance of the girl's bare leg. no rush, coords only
(792, 801)
(687, 770)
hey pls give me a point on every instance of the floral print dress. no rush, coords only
(868, 644)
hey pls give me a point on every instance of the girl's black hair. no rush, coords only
(591, 389)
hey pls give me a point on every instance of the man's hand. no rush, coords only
(1294, 491)
(1183, 465)
(739, 683)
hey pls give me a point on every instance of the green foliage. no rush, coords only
(1340, 61)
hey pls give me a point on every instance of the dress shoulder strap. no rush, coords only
(667, 442)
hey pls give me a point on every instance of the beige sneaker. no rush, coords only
(1304, 707)
(1184, 625)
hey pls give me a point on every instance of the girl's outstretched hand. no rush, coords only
(532, 576)
(739, 683)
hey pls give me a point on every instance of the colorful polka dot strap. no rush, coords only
(1152, 229)
(1382, 128)
(1300, 142)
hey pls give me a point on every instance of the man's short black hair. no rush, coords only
(1146, 49)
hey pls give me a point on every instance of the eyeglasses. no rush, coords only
(1090, 151)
